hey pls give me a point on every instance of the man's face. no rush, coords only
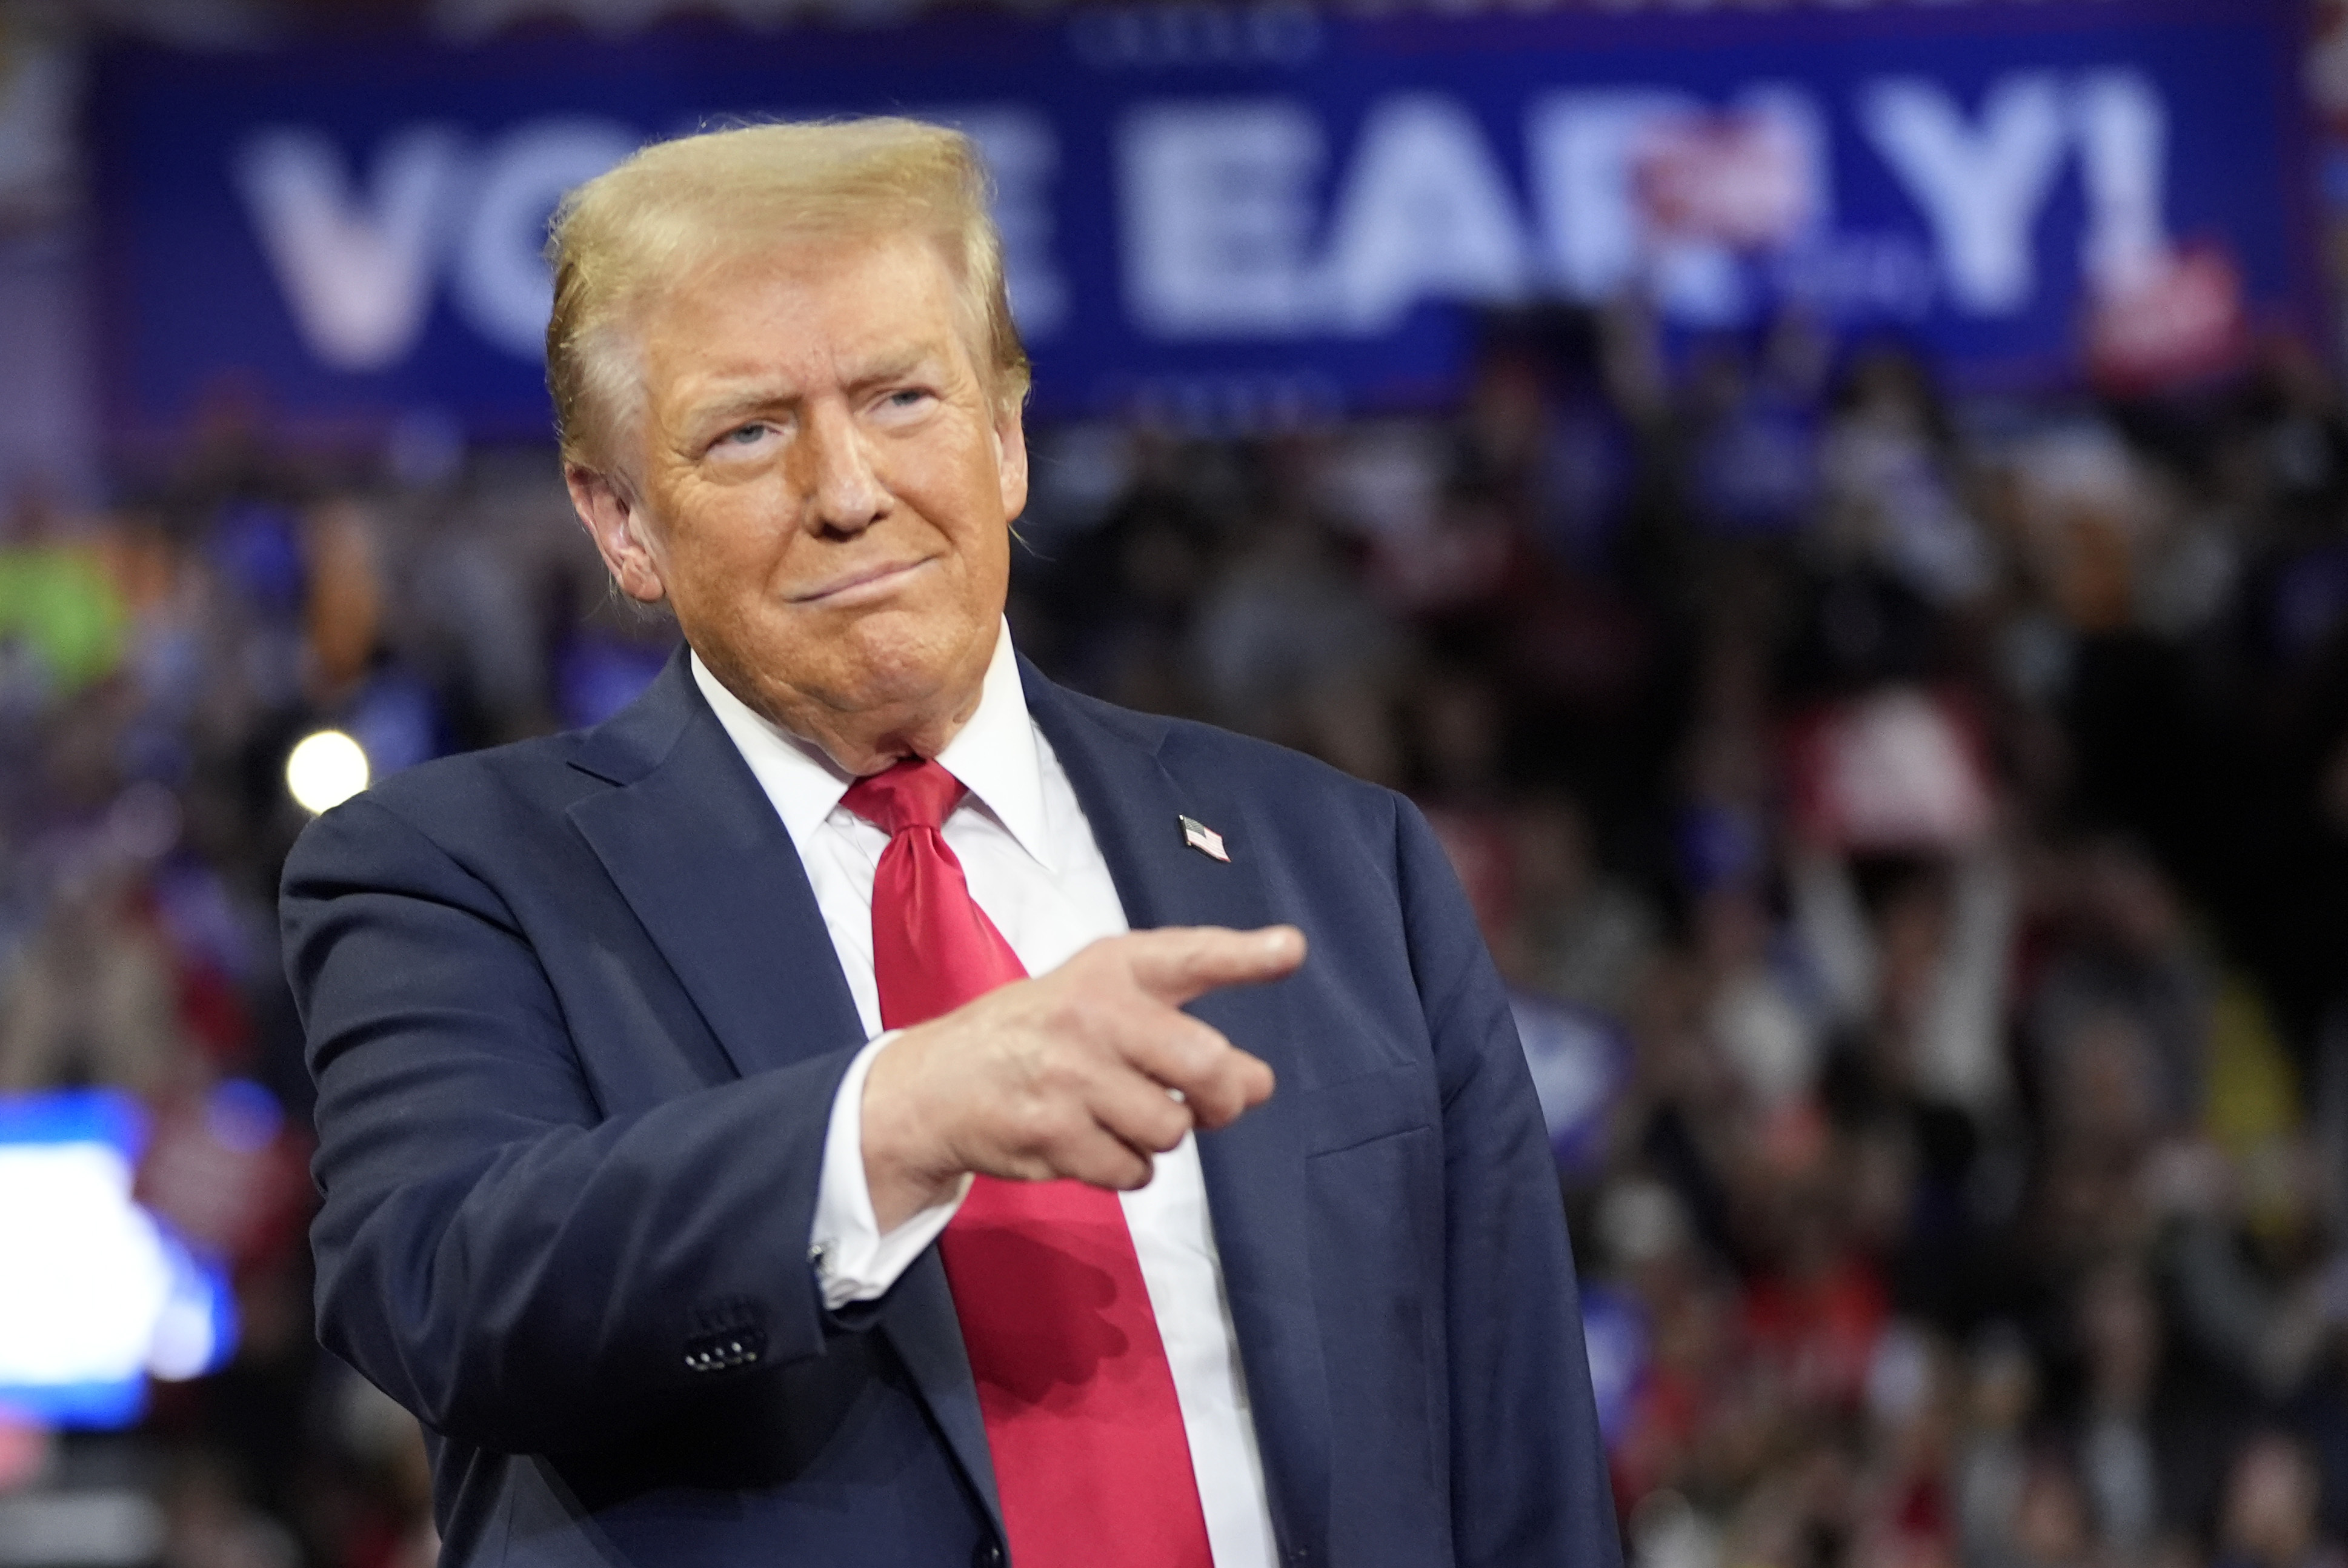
(821, 485)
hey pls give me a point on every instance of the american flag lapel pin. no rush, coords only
(1203, 839)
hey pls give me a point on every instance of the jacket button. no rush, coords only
(988, 1555)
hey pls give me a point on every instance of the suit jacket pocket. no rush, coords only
(1356, 1111)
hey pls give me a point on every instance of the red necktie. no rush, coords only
(1091, 1460)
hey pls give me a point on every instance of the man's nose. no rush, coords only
(837, 481)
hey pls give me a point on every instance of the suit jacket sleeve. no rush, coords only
(1529, 1482)
(516, 1267)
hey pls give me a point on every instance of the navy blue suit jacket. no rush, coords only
(576, 1025)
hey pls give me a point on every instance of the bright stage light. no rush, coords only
(326, 770)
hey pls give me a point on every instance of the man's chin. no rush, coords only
(905, 674)
(910, 668)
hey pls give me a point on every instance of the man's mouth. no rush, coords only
(869, 582)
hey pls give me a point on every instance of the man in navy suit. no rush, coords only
(627, 1194)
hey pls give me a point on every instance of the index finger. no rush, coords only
(1175, 964)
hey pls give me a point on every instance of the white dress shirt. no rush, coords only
(1033, 866)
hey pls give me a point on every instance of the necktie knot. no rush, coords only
(915, 793)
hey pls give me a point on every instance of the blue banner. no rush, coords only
(1234, 213)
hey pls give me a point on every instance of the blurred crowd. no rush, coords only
(1915, 832)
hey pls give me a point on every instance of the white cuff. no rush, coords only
(853, 1261)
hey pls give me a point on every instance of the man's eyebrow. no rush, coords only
(741, 399)
(737, 404)
(894, 365)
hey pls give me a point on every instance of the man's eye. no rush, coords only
(746, 435)
(909, 396)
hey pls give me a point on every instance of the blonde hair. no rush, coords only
(622, 239)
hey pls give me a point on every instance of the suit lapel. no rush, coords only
(695, 848)
(1254, 1168)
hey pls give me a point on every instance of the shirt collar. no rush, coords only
(993, 755)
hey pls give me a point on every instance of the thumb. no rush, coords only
(1176, 964)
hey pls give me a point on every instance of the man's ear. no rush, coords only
(617, 524)
(1011, 456)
